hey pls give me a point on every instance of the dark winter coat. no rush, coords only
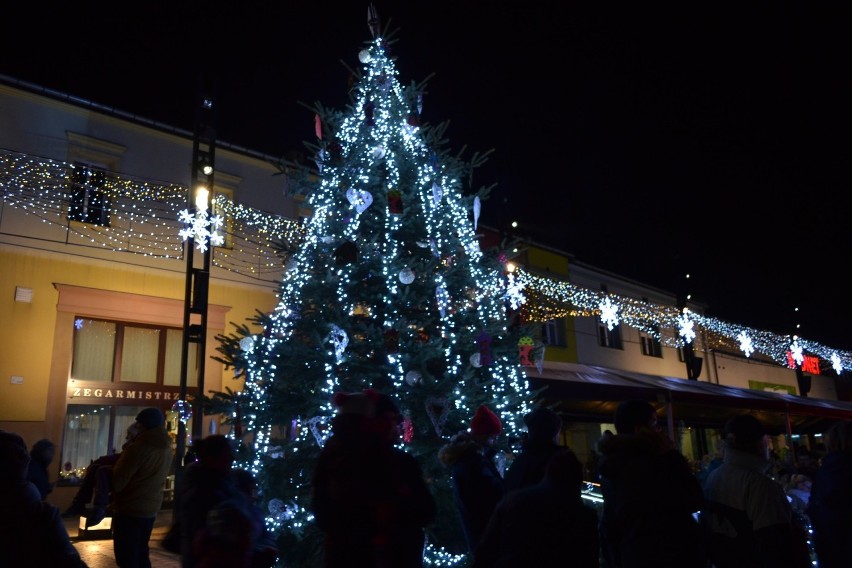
(371, 501)
(40, 457)
(476, 482)
(203, 488)
(543, 525)
(528, 467)
(649, 501)
(830, 510)
(32, 533)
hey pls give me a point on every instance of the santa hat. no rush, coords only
(485, 422)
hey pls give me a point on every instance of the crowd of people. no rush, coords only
(373, 505)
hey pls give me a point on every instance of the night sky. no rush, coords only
(647, 140)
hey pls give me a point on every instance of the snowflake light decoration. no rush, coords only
(745, 343)
(686, 327)
(797, 351)
(836, 364)
(609, 313)
(203, 229)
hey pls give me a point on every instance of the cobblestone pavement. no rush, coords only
(97, 552)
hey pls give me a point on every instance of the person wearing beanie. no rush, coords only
(33, 533)
(748, 520)
(369, 497)
(650, 495)
(476, 482)
(137, 488)
(543, 427)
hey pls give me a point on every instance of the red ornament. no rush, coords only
(413, 119)
(394, 202)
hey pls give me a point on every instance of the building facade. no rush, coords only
(94, 278)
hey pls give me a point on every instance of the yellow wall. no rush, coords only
(31, 337)
(555, 264)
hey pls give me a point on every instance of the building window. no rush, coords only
(95, 430)
(553, 333)
(609, 337)
(89, 203)
(110, 351)
(651, 344)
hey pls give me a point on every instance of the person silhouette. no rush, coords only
(97, 484)
(747, 519)
(368, 496)
(650, 495)
(41, 456)
(543, 524)
(138, 478)
(543, 427)
(476, 482)
(830, 505)
(33, 533)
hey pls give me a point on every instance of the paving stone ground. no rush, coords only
(97, 552)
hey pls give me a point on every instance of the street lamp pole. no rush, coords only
(197, 273)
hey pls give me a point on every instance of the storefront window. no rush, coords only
(92, 431)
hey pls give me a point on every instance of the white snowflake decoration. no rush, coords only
(836, 364)
(686, 327)
(203, 229)
(796, 351)
(609, 313)
(745, 343)
(515, 292)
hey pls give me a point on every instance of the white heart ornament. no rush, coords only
(359, 198)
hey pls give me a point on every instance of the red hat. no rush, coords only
(485, 422)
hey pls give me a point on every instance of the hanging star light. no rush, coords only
(609, 313)
(745, 343)
(796, 351)
(686, 327)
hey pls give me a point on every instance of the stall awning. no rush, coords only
(590, 394)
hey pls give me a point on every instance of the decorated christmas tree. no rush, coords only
(388, 290)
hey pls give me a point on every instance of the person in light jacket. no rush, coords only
(138, 478)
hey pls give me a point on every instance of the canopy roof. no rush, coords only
(588, 393)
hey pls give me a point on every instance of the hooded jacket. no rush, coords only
(140, 472)
(649, 500)
(476, 483)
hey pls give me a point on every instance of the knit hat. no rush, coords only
(485, 423)
(543, 423)
(151, 418)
